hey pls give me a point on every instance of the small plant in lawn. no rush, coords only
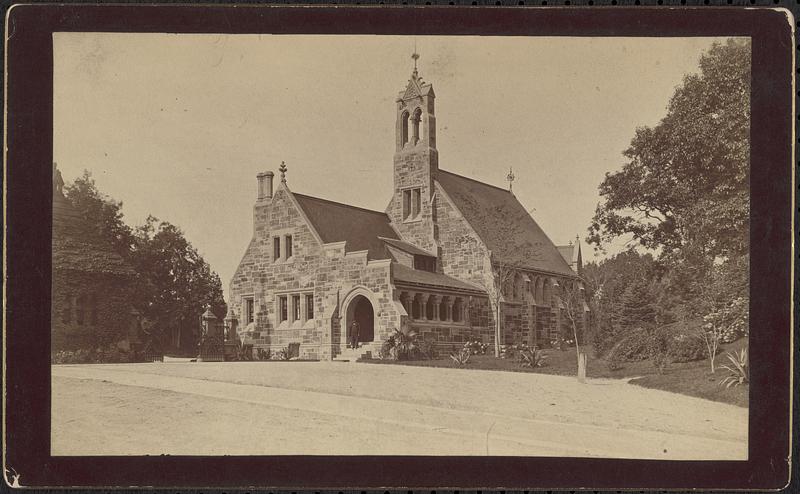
(532, 358)
(282, 354)
(461, 358)
(264, 354)
(738, 371)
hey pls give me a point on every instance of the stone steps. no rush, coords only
(353, 354)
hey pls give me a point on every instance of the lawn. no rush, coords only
(689, 378)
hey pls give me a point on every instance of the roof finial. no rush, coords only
(282, 169)
(510, 177)
(415, 56)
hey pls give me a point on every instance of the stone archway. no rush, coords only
(358, 306)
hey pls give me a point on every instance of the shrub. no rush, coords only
(461, 358)
(631, 348)
(79, 356)
(264, 354)
(476, 347)
(738, 370)
(658, 348)
(427, 348)
(402, 346)
(282, 354)
(687, 348)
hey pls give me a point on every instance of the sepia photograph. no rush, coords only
(400, 245)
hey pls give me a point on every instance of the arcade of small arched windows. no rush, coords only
(528, 288)
(410, 124)
(430, 307)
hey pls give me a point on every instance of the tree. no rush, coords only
(606, 284)
(638, 306)
(724, 306)
(180, 283)
(685, 185)
(572, 297)
(173, 284)
(502, 273)
(102, 213)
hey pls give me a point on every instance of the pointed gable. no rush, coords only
(503, 224)
(360, 228)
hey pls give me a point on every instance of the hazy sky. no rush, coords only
(178, 126)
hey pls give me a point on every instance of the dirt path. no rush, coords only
(339, 408)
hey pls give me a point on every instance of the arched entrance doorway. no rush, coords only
(360, 309)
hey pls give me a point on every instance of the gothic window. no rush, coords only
(295, 307)
(404, 127)
(80, 309)
(458, 308)
(519, 287)
(411, 203)
(283, 309)
(443, 309)
(92, 299)
(424, 263)
(415, 121)
(289, 250)
(539, 291)
(276, 248)
(429, 308)
(66, 310)
(546, 292)
(309, 306)
(249, 309)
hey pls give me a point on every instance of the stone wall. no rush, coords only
(414, 167)
(322, 270)
(111, 305)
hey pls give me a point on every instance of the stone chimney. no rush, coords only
(265, 185)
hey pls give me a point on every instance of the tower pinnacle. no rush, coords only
(415, 56)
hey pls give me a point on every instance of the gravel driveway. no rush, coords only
(266, 408)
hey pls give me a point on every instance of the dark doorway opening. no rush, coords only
(360, 310)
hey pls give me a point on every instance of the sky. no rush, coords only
(178, 125)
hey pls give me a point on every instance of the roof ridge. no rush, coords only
(476, 181)
(382, 213)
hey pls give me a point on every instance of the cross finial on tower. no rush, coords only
(510, 177)
(282, 169)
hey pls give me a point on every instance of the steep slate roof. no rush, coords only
(402, 273)
(337, 222)
(503, 224)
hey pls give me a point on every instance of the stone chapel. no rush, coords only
(433, 262)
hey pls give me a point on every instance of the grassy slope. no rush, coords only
(689, 378)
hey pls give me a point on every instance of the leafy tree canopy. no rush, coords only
(685, 184)
(174, 284)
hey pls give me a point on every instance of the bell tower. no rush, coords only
(416, 162)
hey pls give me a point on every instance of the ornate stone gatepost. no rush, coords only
(232, 343)
(212, 347)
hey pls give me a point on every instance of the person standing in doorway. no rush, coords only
(355, 328)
